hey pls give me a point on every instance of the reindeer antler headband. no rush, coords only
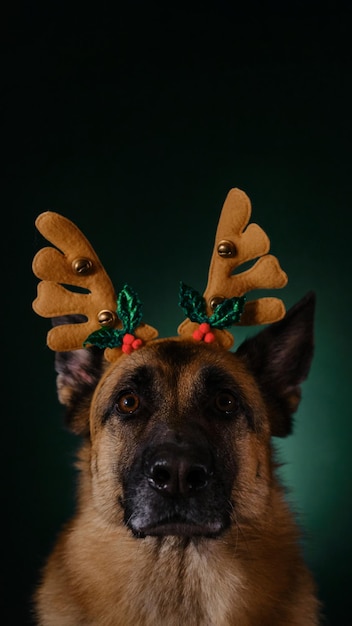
(115, 322)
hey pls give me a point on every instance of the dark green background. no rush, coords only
(135, 123)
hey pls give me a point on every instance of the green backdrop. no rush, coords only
(135, 125)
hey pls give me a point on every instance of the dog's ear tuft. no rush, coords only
(279, 358)
(78, 373)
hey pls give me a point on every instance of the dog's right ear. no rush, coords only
(78, 373)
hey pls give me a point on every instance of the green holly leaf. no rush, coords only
(192, 303)
(105, 338)
(227, 312)
(129, 309)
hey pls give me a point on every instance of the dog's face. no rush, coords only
(176, 429)
(179, 432)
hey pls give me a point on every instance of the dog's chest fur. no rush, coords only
(173, 581)
(183, 584)
(166, 581)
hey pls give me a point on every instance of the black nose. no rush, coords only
(177, 470)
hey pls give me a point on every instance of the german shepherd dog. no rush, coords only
(181, 519)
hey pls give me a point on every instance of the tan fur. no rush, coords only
(253, 574)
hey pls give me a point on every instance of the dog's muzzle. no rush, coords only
(177, 487)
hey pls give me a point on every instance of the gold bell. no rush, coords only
(215, 301)
(226, 248)
(106, 318)
(82, 266)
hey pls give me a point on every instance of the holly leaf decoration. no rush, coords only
(193, 304)
(227, 312)
(105, 338)
(129, 309)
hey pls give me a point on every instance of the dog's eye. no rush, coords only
(226, 402)
(127, 402)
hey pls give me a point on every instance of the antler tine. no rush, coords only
(234, 245)
(74, 263)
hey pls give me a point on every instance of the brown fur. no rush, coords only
(232, 555)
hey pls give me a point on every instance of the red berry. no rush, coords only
(209, 338)
(137, 344)
(198, 335)
(204, 328)
(128, 339)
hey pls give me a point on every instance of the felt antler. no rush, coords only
(77, 265)
(234, 245)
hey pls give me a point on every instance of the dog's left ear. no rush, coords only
(279, 358)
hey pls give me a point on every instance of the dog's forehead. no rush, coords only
(176, 362)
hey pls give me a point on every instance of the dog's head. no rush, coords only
(178, 433)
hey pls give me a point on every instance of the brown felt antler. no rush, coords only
(234, 245)
(75, 264)
(115, 323)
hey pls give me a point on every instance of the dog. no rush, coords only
(181, 518)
